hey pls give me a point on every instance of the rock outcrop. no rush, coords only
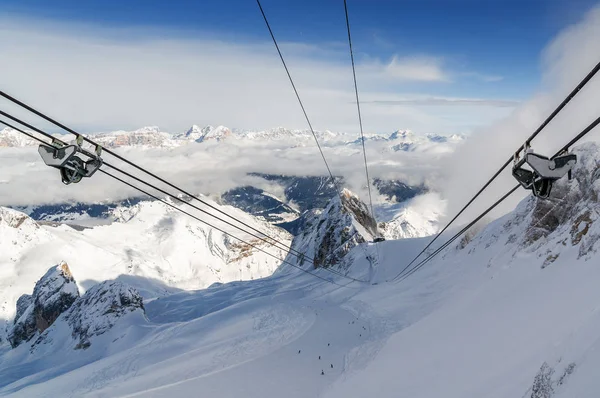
(52, 295)
(99, 309)
(329, 235)
(550, 227)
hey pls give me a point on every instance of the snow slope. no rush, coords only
(169, 250)
(415, 218)
(480, 320)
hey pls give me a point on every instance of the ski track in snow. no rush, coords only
(477, 321)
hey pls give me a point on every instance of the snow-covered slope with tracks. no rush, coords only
(509, 312)
(165, 248)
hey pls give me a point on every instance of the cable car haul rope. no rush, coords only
(531, 170)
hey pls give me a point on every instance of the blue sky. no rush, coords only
(484, 49)
(492, 37)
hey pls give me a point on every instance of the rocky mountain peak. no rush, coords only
(214, 133)
(52, 295)
(358, 210)
(330, 234)
(401, 134)
(99, 309)
(14, 219)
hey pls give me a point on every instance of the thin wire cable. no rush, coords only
(273, 243)
(578, 137)
(142, 169)
(537, 224)
(362, 136)
(189, 214)
(219, 229)
(270, 240)
(168, 194)
(68, 129)
(399, 278)
(298, 96)
(564, 103)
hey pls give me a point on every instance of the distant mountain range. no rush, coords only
(291, 196)
(400, 140)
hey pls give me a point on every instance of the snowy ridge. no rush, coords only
(509, 311)
(52, 295)
(516, 301)
(19, 233)
(96, 312)
(417, 217)
(12, 138)
(169, 249)
(329, 235)
(153, 137)
(146, 136)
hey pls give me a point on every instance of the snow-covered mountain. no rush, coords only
(260, 204)
(148, 240)
(79, 213)
(153, 137)
(415, 218)
(509, 311)
(146, 136)
(300, 194)
(330, 234)
(52, 295)
(408, 141)
(10, 138)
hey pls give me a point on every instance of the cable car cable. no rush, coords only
(564, 103)
(578, 137)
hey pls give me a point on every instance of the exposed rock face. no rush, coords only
(329, 235)
(548, 227)
(572, 204)
(396, 190)
(22, 303)
(52, 295)
(214, 133)
(146, 136)
(24, 328)
(14, 219)
(98, 310)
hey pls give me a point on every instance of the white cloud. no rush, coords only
(209, 168)
(569, 57)
(105, 79)
(483, 77)
(424, 69)
(438, 101)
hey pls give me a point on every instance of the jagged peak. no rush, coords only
(53, 294)
(147, 130)
(332, 233)
(194, 129)
(100, 308)
(56, 278)
(401, 134)
(213, 133)
(15, 219)
(348, 193)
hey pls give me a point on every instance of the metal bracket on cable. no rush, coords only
(538, 173)
(67, 158)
